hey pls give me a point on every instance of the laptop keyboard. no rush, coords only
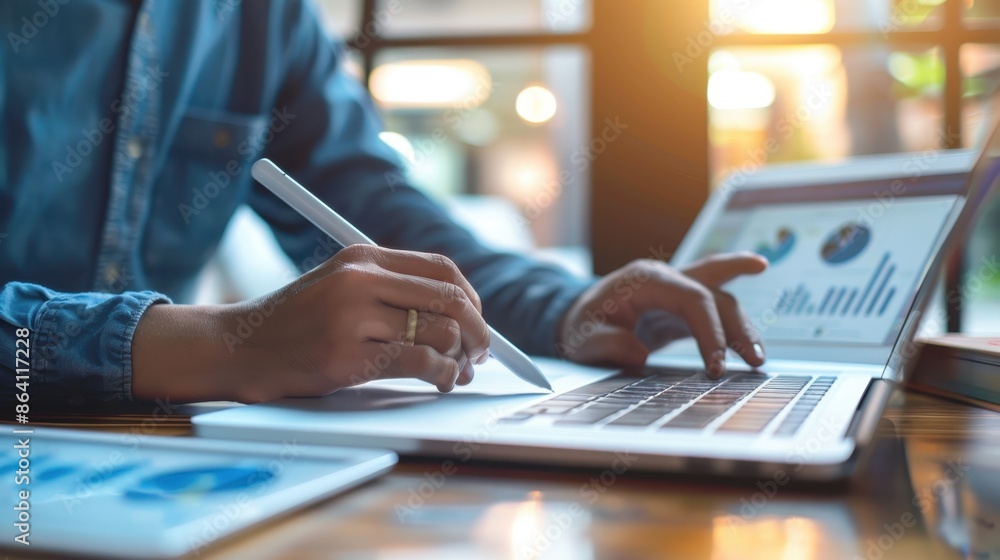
(655, 401)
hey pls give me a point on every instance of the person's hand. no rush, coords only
(600, 327)
(339, 325)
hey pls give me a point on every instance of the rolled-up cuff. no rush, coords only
(83, 346)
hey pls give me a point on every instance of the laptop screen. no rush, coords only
(846, 259)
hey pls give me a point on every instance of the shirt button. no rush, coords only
(134, 148)
(221, 138)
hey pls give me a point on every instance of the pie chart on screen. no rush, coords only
(846, 243)
(778, 248)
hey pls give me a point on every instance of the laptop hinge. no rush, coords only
(869, 411)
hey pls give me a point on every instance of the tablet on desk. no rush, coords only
(136, 496)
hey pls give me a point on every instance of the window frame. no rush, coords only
(608, 41)
(614, 177)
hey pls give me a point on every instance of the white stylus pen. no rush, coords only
(331, 223)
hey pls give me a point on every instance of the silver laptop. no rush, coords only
(854, 248)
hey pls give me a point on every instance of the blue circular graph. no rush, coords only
(846, 243)
(198, 482)
(779, 248)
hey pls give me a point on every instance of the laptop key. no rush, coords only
(799, 413)
(570, 398)
(589, 415)
(516, 418)
(550, 407)
(648, 400)
(622, 399)
(638, 418)
(601, 388)
(761, 408)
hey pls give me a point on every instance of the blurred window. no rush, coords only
(794, 80)
(492, 97)
(475, 17)
(486, 97)
(781, 104)
(982, 13)
(981, 73)
(833, 78)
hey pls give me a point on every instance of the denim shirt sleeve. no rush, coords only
(80, 344)
(332, 146)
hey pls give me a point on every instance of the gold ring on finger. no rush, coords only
(411, 327)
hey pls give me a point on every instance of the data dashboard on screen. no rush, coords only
(845, 260)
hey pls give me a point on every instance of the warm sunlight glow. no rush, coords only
(721, 60)
(528, 174)
(789, 16)
(792, 538)
(734, 89)
(804, 536)
(431, 83)
(528, 519)
(536, 104)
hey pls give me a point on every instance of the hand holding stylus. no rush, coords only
(341, 324)
(322, 216)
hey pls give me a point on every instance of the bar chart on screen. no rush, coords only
(835, 275)
(873, 297)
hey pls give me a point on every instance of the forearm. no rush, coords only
(179, 352)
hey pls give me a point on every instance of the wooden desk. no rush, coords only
(914, 498)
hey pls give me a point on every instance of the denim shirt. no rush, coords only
(128, 131)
